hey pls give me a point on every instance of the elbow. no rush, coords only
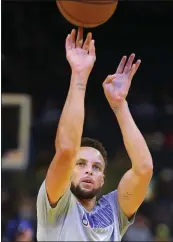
(146, 169)
(67, 150)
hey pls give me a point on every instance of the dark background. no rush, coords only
(34, 63)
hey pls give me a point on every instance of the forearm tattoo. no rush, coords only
(81, 86)
(115, 109)
(127, 195)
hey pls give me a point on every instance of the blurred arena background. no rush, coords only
(35, 80)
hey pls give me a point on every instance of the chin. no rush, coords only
(84, 193)
(86, 189)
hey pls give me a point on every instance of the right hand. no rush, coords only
(81, 57)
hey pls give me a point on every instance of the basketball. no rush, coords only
(87, 13)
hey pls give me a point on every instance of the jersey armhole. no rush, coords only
(124, 221)
(47, 213)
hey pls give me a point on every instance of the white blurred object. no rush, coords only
(17, 158)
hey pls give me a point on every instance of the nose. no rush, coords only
(89, 170)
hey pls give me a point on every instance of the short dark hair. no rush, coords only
(89, 142)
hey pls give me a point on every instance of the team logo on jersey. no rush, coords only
(84, 220)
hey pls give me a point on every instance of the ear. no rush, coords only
(103, 180)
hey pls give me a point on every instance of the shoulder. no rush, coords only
(109, 197)
(119, 214)
(109, 202)
(46, 214)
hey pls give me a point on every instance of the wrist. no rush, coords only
(79, 81)
(118, 108)
(81, 75)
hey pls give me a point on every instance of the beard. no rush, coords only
(82, 194)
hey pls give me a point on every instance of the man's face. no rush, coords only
(88, 175)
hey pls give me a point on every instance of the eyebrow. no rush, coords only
(95, 162)
(98, 163)
(82, 159)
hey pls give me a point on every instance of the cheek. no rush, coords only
(100, 181)
(76, 176)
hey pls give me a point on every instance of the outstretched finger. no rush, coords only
(128, 65)
(134, 69)
(79, 40)
(87, 41)
(72, 38)
(138, 62)
(121, 65)
(68, 44)
(92, 50)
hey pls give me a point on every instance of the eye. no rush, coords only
(97, 168)
(81, 164)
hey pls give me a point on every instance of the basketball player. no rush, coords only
(67, 209)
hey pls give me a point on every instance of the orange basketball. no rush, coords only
(87, 13)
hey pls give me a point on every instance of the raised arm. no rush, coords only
(133, 185)
(81, 58)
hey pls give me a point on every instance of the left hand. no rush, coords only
(116, 86)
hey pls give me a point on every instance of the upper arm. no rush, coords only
(59, 175)
(45, 213)
(132, 190)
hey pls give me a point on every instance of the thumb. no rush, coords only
(108, 79)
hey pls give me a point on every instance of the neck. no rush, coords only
(88, 204)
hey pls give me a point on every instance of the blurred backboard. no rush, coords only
(16, 116)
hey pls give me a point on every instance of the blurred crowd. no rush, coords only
(33, 62)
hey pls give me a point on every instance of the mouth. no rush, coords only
(87, 180)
